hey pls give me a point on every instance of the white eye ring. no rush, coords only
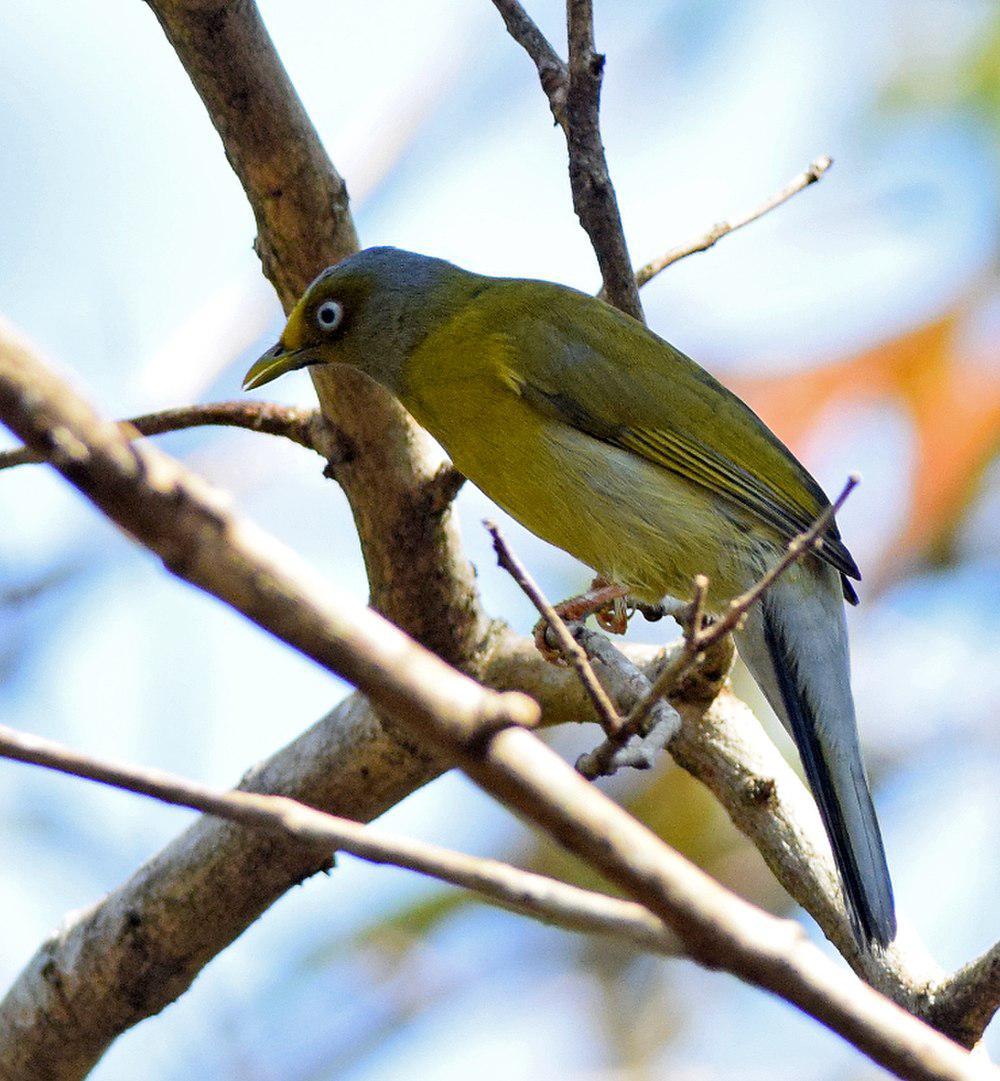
(329, 315)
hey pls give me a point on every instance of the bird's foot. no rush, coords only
(604, 600)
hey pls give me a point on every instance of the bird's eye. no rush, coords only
(329, 315)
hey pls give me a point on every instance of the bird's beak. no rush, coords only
(276, 361)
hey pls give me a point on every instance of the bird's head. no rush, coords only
(370, 312)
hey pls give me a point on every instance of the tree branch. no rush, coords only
(182, 521)
(552, 72)
(417, 573)
(574, 94)
(716, 928)
(524, 892)
(594, 198)
(308, 428)
(141, 947)
(303, 426)
(964, 1004)
(712, 236)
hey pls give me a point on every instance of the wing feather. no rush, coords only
(689, 458)
(607, 375)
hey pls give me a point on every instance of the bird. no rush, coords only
(606, 441)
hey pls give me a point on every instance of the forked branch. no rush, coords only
(573, 90)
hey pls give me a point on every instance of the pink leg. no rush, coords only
(603, 599)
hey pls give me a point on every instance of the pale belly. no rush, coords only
(632, 521)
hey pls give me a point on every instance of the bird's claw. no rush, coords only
(551, 654)
(603, 600)
(613, 617)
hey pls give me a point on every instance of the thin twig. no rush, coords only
(531, 894)
(594, 198)
(608, 716)
(442, 487)
(299, 425)
(798, 547)
(308, 428)
(695, 622)
(574, 93)
(698, 640)
(712, 236)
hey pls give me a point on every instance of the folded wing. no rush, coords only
(620, 383)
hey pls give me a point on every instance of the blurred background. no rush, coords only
(862, 320)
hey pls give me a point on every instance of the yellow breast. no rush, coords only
(628, 519)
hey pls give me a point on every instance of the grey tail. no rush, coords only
(831, 758)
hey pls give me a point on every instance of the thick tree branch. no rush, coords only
(720, 743)
(417, 573)
(964, 1004)
(539, 896)
(716, 928)
(303, 426)
(164, 508)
